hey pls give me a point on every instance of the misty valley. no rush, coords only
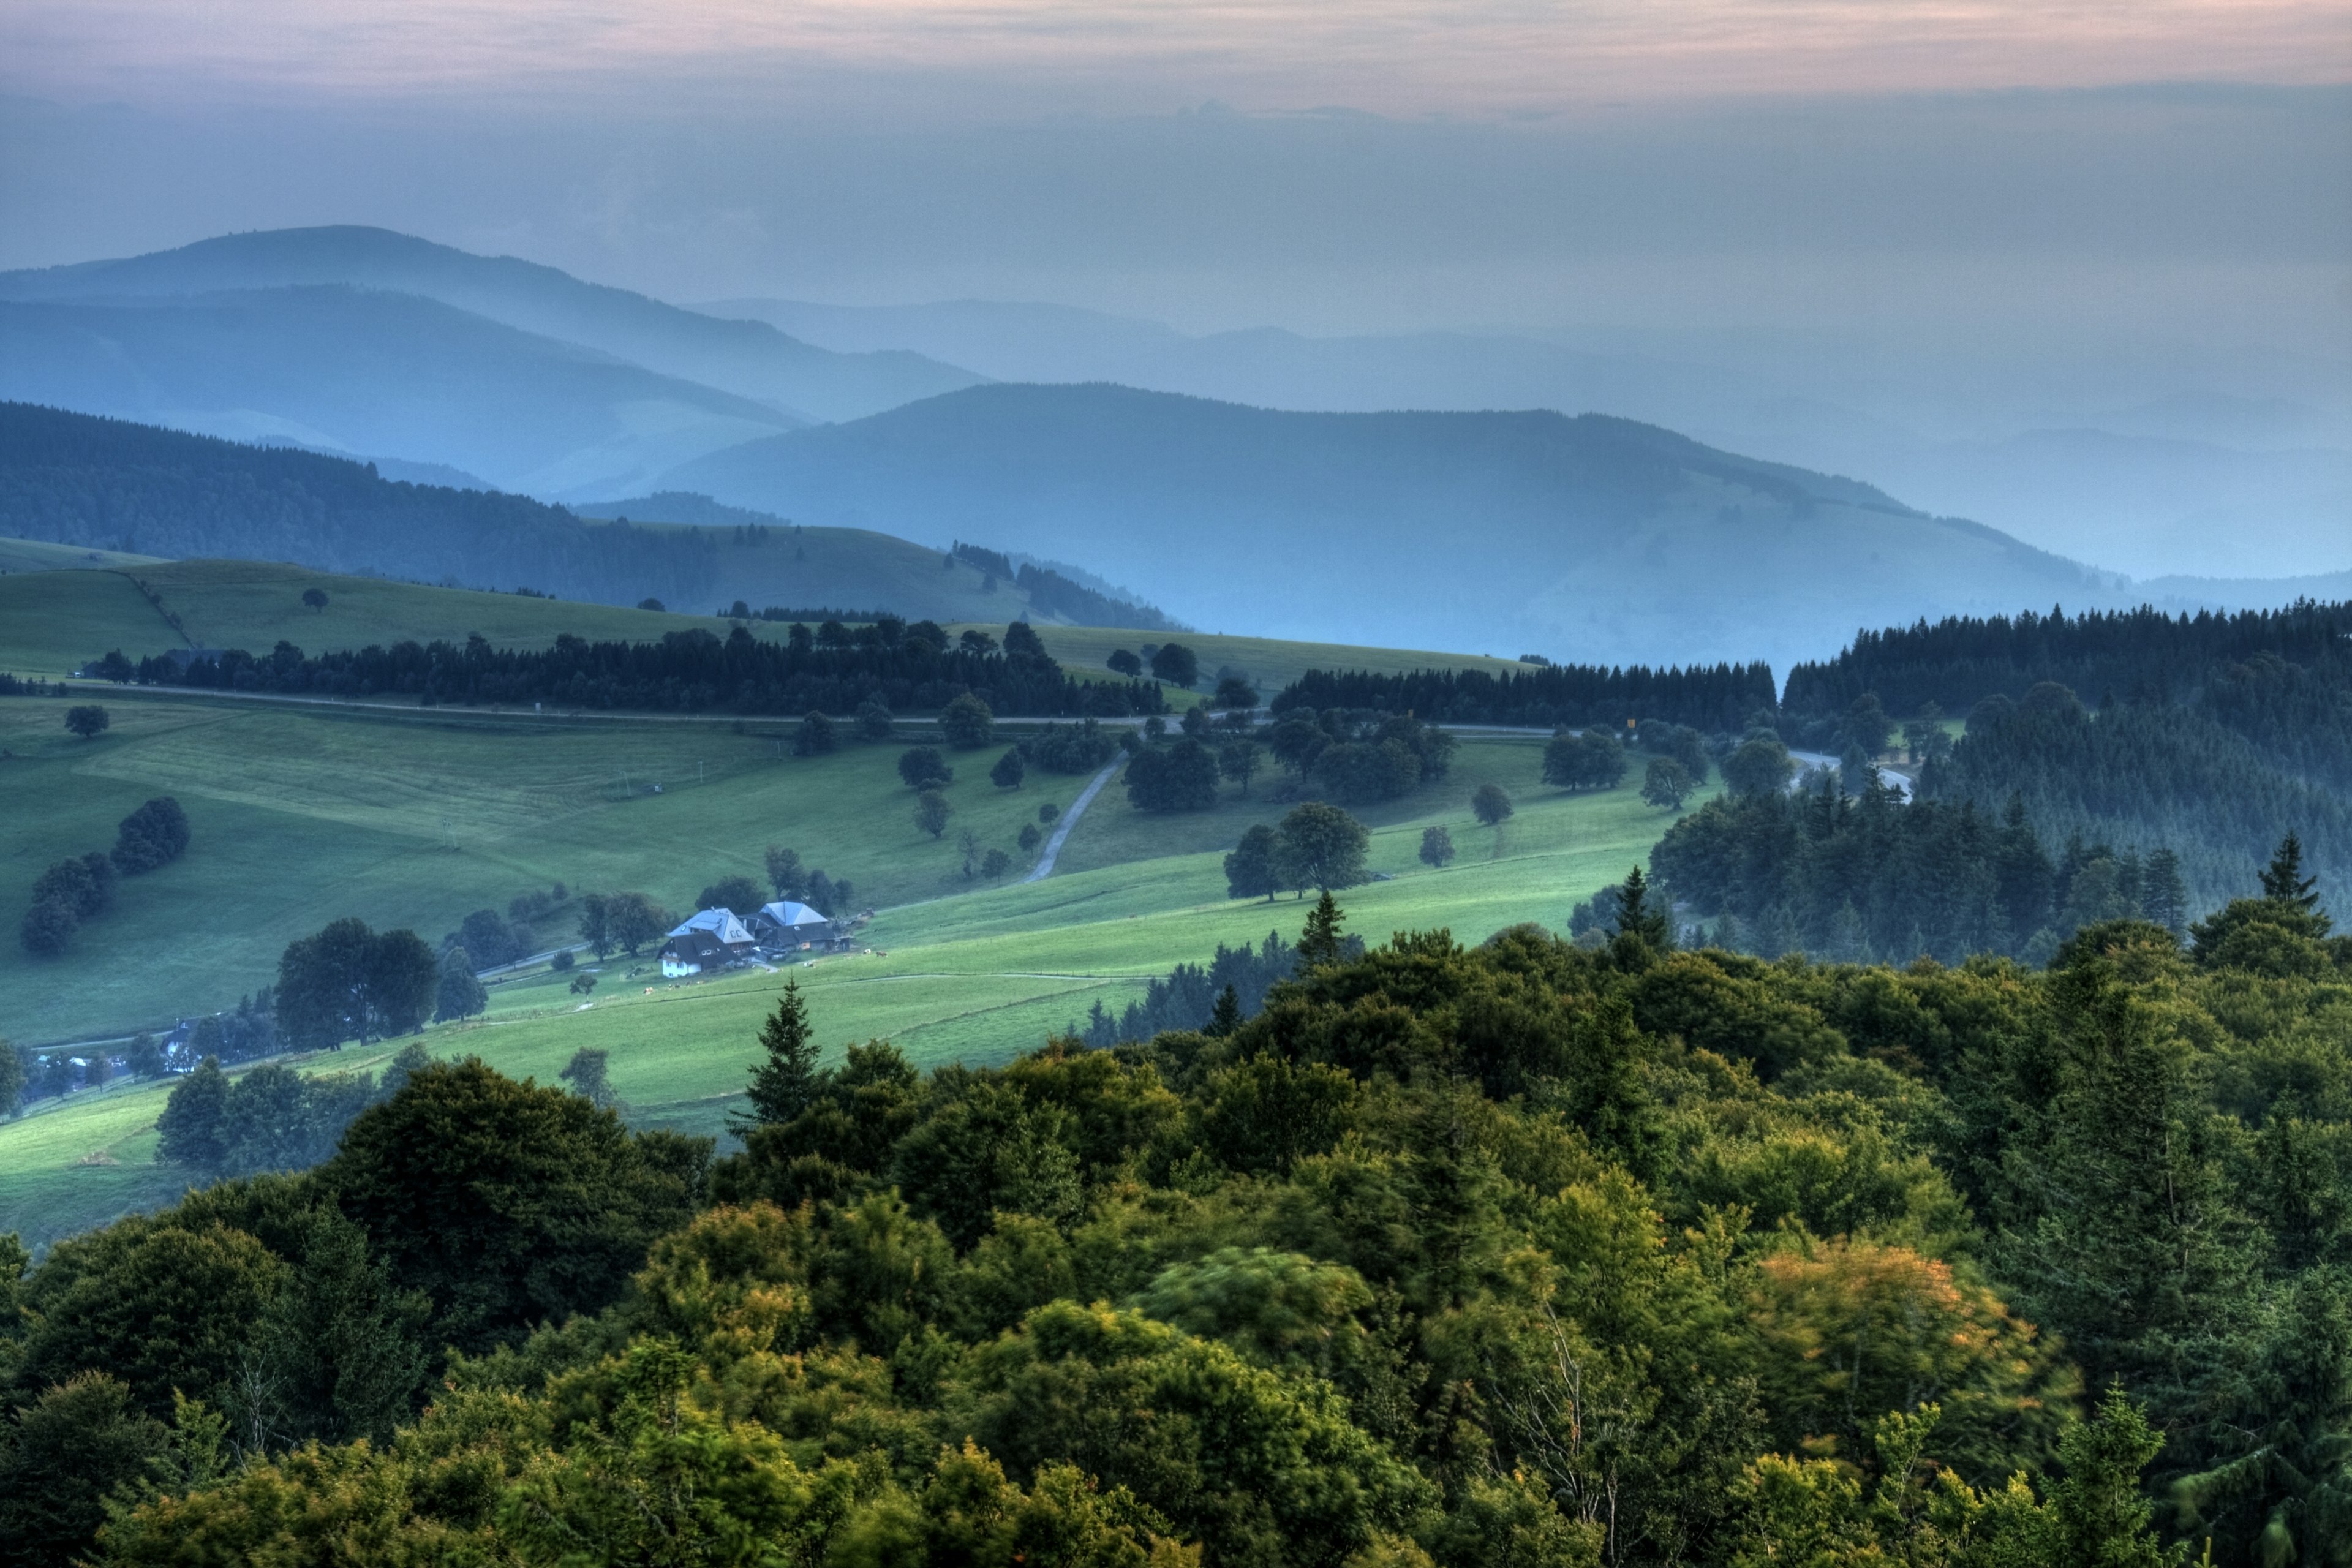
(978, 932)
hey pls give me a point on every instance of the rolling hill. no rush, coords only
(2195, 482)
(364, 372)
(1589, 538)
(79, 487)
(749, 359)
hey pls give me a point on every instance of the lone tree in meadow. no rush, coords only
(1122, 662)
(1175, 664)
(1490, 805)
(931, 811)
(1436, 848)
(1009, 770)
(88, 721)
(784, 1084)
(922, 767)
(315, 598)
(968, 723)
(1666, 785)
(1320, 845)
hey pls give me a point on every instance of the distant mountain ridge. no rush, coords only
(1589, 538)
(330, 367)
(2190, 482)
(99, 484)
(749, 359)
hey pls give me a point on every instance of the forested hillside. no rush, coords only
(2210, 736)
(1517, 1255)
(74, 479)
(78, 481)
(2138, 653)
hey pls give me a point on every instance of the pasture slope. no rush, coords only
(347, 814)
(61, 607)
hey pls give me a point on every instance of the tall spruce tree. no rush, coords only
(1319, 943)
(785, 1084)
(2284, 881)
(1644, 923)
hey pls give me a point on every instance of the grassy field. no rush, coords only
(51, 622)
(858, 569)
(39, 555)
(352, 810)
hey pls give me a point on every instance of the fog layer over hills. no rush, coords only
(1590, 536)
(1286, 496)
(2141, 466)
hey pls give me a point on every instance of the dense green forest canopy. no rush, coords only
(2140, 654)
(1722, 697)
(1529, 1253)
(2265, 748)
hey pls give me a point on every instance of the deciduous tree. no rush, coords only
(931, 811)
(922, 767)
(967, 722)
(1436, 848)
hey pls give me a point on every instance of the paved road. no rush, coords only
(1044, 868)
(1807, 760)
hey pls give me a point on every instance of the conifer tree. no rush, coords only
(1641, 918)
(2102, 1514)
(2284, 881)
(1227, 1015)
(784, 1085)
(1319, 943)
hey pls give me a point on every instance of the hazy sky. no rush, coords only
(2166, 170)
(1379, 55)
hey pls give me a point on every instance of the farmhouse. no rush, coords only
(706, 939)
(787, 924)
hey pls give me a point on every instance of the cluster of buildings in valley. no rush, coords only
(712, 939)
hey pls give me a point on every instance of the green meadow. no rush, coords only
(303, 816)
